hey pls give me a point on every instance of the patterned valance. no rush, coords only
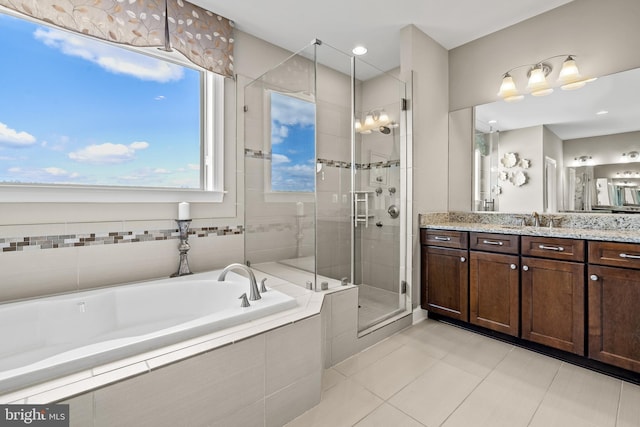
(205, 38)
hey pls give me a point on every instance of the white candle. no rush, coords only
(300, 208)
(183, 211)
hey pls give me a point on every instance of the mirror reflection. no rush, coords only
(568, 151)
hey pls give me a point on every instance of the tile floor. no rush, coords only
(434, 374)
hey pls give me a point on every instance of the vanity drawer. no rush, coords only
(490, 242)
(553, 247)
(615, 254)
(444, 238)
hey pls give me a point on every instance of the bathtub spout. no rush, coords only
(254, 293)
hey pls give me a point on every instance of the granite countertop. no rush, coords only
(572, 233)
(603, 227)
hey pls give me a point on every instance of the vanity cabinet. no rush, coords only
(445, 273)
(614, 304)
(494, 285)
(553, 292)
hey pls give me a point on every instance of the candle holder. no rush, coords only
(183, 228)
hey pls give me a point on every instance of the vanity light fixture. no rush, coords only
(582, 159)
(569, 78)
(377, 120)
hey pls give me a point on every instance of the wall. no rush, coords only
(527, 144)
(605, 36)
(552, 147)
(603, 149)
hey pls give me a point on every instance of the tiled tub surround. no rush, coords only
(264, 372)
(45, 338)
(591, 226)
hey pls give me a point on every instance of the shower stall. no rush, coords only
(325, 178)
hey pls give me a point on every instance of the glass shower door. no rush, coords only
(378, 195)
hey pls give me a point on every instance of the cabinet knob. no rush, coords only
(462, 259)
(525, 268)
(594, 277)
(513, 266)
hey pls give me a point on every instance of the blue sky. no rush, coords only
(293, 160)
(76, 110)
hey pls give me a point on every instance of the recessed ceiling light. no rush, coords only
(602, 112)
(359, 50)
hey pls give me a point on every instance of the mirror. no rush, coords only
(581, 149)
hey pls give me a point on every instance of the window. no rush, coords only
(77, 112)
(293, 161)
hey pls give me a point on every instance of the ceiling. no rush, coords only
(375, 24)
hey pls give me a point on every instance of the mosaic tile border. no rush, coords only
(259, 154)
(17, 244)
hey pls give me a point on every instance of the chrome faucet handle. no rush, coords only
(263, 288)
(344, 281)
(245, 301)
(536, 219)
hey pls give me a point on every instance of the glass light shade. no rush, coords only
(508, 88)
(358, 125)
(538, 85)
(383, 118)
(570, 77)
(368, 122)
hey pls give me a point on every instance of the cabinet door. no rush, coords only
(614, 316)
(445, 282)
(494, 292)
(553, 303)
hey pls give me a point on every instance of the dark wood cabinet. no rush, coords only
(614, 304)
(494, 291)
(494, 282)
(553, 303)
(445, 274)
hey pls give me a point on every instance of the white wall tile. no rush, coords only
(293, 400)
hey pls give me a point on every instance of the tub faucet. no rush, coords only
(254, 293)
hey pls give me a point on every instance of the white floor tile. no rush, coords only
(579, 395)
(394, 371)
(629, 409)
(342, 405)
(432, 397)
(386, 416)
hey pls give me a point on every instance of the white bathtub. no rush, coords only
(49, 337)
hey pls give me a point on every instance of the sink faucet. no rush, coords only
(254, 293)
(536, 219)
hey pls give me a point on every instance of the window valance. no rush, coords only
(205, 38)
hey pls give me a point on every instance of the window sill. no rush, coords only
(60, 194)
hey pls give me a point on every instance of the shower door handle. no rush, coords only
(357, 217)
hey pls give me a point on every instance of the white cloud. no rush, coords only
(279, 133)
(291, 111)
(159, 97)
(12, 138)
(278, 159)
(113, 59)
(58, 172)
(161, 171)
(193, 167)
(108, 152)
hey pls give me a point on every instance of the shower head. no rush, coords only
(385, 129)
